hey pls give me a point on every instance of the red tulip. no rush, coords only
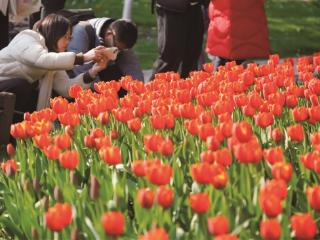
(113, 223)
(276, 135)
(273, 155)
(74, 90)
(309, 160)
(164, 196)
(223, 157)
(145, 197)
(270, 205)
(138, 168)
(69, 159)
(152, 142)
(59, 105)
(207, 156)
(205, 117)
(166, 147)
(10, 150)
(242, 131)
(159, 174)
(9, 167)
(300, 114)
(248, 110)
(205, 130)
(134, 124)
(100, 142)
(58, 217)
(220, 176)
(213, 143)
(218, 225)
(158, 121)
(313, 196)
(291, 101)
(264, 119)
(155, 234)
(201, 172)
(282, 170)
(110, 155)
(52, 152)
(226, 237)
(103, 117)
(89, 141)
(295, 132)
(62, 141)
(18, 130)
(97, 132)
(315, 140)
(42, 141)
(192, 126)
(303, 226)
(270, 229)
(200, 202)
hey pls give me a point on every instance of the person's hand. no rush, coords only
(110, 53)
(98, 66)
(95, 54)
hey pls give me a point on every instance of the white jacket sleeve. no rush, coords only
(29, 51)
(62, 83)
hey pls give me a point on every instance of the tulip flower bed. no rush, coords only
(233, 154)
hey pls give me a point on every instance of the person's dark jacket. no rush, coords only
(177, 5)
(52, 6)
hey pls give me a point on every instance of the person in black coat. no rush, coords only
(180, 35)
(48, 6)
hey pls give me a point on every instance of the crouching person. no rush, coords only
(109, 33)
(35, 63)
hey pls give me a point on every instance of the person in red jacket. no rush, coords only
(238, 30)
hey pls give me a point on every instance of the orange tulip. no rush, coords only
(111, 155)
(303, 226)
(113, 223)
(69, 159)
(164, 196)
(270, 229)
(200, 202)
(218, 225)
(145, 197)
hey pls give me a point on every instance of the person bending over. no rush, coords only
(109, 33)
(37, 60)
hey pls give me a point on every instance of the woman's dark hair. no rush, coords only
(52, 28)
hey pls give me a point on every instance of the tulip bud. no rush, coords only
(57, 194)
(34, 233)
(25, 184)
(74, 234)
(36, 184)
(45, 202)
(10, 150)
(73, 178)
(94, 187)
(69, 130)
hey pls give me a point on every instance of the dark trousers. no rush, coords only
(220, 61)
(113, 72)
(26, 95)
(4, 26)
(180, 37)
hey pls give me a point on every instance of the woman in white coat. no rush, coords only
(37, 59)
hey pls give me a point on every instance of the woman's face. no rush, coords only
(63, 42)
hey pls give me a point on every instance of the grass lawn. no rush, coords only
(294, 25)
